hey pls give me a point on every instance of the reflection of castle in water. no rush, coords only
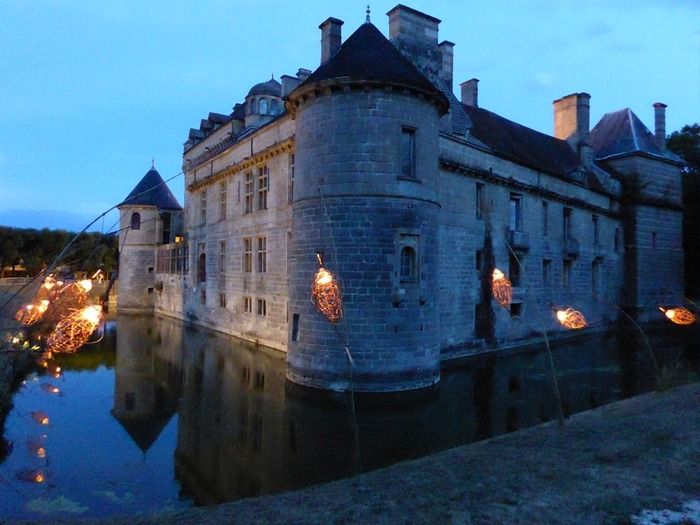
(243, 430)
(147, 382)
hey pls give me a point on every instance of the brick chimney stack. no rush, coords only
(447, 49)
(660, 124)
(470, 92)
(330, 38)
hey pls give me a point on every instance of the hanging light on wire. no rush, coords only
(502, 289)
(679, 315)
(572, 319)
(326, 293)
(74, 331)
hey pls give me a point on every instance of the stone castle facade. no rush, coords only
(412, 197)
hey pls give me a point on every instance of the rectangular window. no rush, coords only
(408, 152)
(165, 217)
(262, 307)
(295, 327)
(247, 305)
(566, 273)
(262, 254)
(566, 226)
(247, 254)
(222, 257)
(203, 207)
(516, 212)
(249, 187)
(290, 184)
(408, 263)
(516, 309)
(222, 200)
(514, 270)
(479, 260)
(222, 300)
(262, 187)
(596, 231)
(545, 218)
(546, 272)
(479, 200)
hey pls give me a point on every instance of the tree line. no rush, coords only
(36, 249)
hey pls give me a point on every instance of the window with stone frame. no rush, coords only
(545, 218)
(480, 195)
(409, 258)
(222, 200)
(516, 212)
(546, 271)
(249, 189)
(262, 255)
(290, 183)
(203, 206)
(408, 153)
(263, 183)
(596, 230)
(262, 106)
(262, 307)
(567, 216)
(566, 274)
(135, 223)
(222, 258)
(248, 254)
(247, 304)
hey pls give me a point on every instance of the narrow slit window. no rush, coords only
(408, 153)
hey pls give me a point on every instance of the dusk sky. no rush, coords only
(91, 91)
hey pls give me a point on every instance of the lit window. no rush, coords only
(408, 153)
(247, 254)
(249, 187)
(262, 254)
(135, 221)
(222, 200)
(262, 187)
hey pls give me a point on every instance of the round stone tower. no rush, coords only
(365, 200)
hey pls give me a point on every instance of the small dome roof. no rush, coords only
(271, 87)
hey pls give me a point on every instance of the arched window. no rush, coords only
(202, 268)
(274, 107)
(263, 106)
(409, 270)
(135, 221)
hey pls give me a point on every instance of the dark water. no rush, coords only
(159, 416)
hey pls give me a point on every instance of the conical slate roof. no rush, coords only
(622, 133)
(368, 55)
(144, 432)
(152, 191)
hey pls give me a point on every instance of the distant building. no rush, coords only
(413, 196)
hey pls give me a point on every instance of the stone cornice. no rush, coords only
(287, 145)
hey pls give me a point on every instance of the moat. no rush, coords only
(159, 416)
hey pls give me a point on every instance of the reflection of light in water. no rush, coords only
(51, 389)
(31, 476)
(679, 315)
(40, 417)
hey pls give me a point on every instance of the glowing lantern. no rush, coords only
(51, 389)
(31, 313)
(40, 417)
(571, 318)
(326, 293)
(502, 289)
(73, 331)
(679, 315)
(41, 452)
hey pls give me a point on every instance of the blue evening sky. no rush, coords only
(91, 90)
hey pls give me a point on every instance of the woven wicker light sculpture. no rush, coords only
(572, 319)
(68, 299)
(326, 293)
(73, 331)
(679, 315)
(31, 313)
(502, 289)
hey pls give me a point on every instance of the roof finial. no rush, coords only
(367, 21)
(153, 162)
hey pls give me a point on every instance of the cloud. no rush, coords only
(543, 79)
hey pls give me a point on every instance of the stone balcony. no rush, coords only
(518, 240)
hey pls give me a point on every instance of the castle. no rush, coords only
(411, 197)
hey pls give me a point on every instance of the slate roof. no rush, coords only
(622, 133)
(368, 55)
(152, 191)
(521, 144)
(271, 87)
(145, 431)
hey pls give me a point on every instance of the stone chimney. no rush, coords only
(470, 92)
(415, 35)
(660, 124)
(303, 74)
(330, 38)
(572, 123)
(289, 83)
(447, 49)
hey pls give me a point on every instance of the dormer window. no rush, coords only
(263, 106)
(274, 107)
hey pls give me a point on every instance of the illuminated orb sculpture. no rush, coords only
(327, 295)
(679, 315)
(572, 319)
(31, 313)
(68, 299)
(73, 331)
(502, 289)
(48, 288)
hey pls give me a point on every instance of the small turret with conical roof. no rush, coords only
(150, 216)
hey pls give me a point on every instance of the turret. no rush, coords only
(365, 204)
(149, 217)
